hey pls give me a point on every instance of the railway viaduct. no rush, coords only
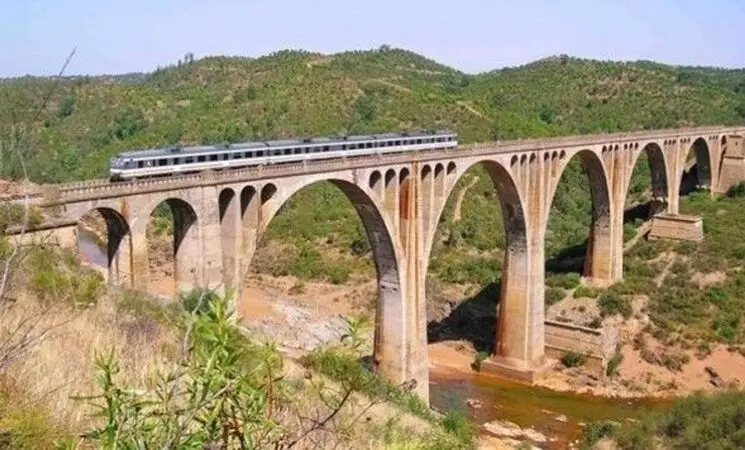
(219, 217)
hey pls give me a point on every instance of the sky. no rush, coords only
(471, 35)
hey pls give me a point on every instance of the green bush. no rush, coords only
(611, 369)
(611, 303)
(698, 421)
(573, 359)
(478, 359)
(563, 280)
(554, 295)
(54, 277)
(586, 292)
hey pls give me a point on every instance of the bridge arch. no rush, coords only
(598, 262)
(658, 171)
(112, 258)
(702, 177)
(513, 289)
(391, 309)
(185, 248)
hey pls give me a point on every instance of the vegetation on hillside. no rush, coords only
(697, 422)
(296, 93)
(179, 376)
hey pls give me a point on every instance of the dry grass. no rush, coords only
(61, 365)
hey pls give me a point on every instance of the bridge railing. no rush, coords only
(103, 188)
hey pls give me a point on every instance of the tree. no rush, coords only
(66, 106)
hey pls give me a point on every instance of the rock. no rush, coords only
(715, 379)
(474, 403)
(510, 430)
(561, 418)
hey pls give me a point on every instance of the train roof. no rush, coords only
(279, 143)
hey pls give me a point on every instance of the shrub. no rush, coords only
(737, 190)
(564, 280)
(613, 364)
(697, 421)
(611, 303)
(586, 292)
(572, 359)
(479, 358)
(554, 295)
(458, 424)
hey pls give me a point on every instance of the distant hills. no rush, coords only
(297, 93)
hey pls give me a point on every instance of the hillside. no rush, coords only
(317, 235)
(294, 93)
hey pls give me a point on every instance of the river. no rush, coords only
(557, 415)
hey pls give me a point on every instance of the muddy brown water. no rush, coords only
(557, 415)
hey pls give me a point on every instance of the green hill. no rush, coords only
(296, 93)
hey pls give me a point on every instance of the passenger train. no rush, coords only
(182, 160)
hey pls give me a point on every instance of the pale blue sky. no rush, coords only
(471, 35)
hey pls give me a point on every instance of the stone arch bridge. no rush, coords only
(219, 217)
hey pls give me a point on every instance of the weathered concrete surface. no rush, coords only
(598, 346)
(220, 216)
(680, 227)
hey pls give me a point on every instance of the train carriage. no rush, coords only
(171, 161)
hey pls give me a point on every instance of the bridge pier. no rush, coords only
(401, 197)
(519, 344)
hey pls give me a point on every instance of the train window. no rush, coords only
(259, 153)
(201, 158)
(398, 142)
(325, 148)
(418, 141)
(188, 160)
(369, 145)
(162, 162)
(248, 155)
(214, 157)
(140, 164)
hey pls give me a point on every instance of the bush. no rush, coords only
(573, 359)
(458, 424)
(479, 358)
(614, 363)
(611, 303)
(698, 421)
(586, 292)
(554, 295)
(564, 280)
(737, 190)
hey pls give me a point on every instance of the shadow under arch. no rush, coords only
(186, 249)
(658, 202)
(698, 175)
(723, 154)
(117, 232)
(499, 299)
(597, 261)
(391, 311)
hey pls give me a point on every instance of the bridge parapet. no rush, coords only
(103, 188)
